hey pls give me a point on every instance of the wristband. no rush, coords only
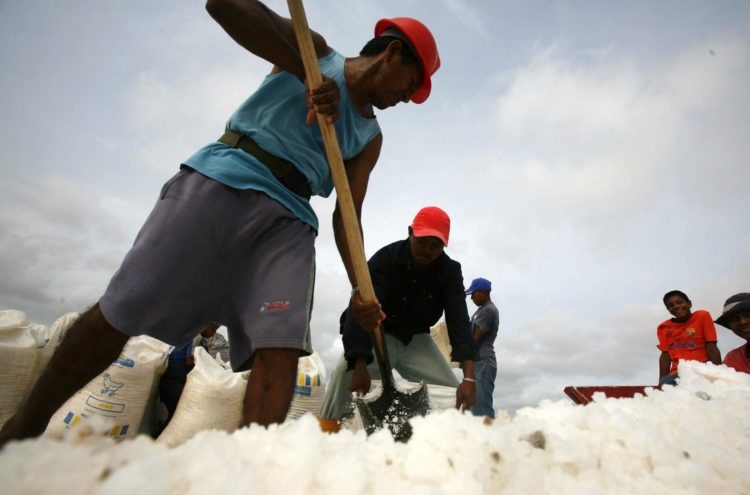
(471, 380)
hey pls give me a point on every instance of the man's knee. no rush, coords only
(271, 385)
(276, 357)
(276, 363)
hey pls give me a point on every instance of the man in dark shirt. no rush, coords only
(415, 282)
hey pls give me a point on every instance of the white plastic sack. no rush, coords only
(439, 334)
(212, 399)
(19, 350)
(441, 397)
(120, 394)
(310, 388)
(52, 339)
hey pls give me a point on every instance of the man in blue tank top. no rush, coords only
(231, 238)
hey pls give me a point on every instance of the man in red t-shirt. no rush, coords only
(690, 336)
(736, 317)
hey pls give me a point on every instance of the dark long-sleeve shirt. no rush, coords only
(413, 300)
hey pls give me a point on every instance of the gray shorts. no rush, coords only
(212, 253)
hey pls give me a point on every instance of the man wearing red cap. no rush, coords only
(231, 238)
(415, 282)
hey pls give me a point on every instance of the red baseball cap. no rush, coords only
(421, 41)
(432, 221)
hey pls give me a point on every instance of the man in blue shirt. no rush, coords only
(415, 282)
(484, 326)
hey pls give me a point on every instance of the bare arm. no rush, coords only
(360, 382)
(466, 393)
(264, 33)
(479, 334)
(358, 171)
(665, 364)
(714, 355)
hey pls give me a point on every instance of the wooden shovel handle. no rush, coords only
(336, 162)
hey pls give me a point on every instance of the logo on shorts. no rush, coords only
(274, 306)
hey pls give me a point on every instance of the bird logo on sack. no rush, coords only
(269, 307)
(109, 386)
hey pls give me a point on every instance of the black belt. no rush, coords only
(283, 170)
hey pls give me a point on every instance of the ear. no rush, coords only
(394, 49)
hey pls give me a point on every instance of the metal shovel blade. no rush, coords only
(393, 409)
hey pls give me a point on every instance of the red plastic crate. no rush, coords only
(583, 395)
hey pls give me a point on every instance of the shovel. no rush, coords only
(392, 408)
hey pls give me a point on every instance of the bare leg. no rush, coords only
(89, 347)
(271, 386)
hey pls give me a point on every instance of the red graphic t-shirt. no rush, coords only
(687, 340)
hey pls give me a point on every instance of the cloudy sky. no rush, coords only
(592, 156)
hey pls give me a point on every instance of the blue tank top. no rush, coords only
(274, 116)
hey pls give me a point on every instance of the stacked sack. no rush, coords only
(121, 395)
(25, 350)
(213, 397)
(310, 387)
(439, 334)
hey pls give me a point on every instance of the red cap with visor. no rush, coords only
(432, 221)
(423, 44)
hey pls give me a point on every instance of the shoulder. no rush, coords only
(392, 252)
(450, 273)
(489, 310)
(483, 311)
(491, 307)
(448, 264)
(322, 48)
(393, 248)
(733, 353)
(332, 60)
(735, 356)
(703, 319)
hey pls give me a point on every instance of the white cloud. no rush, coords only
(603, 130)
(468, 16)
(60, 244)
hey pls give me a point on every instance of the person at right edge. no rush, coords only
(484, 325)
(736, 317)
(415, 282)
